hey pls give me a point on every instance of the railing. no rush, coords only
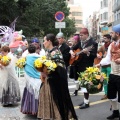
(19, 72)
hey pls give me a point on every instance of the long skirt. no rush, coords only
(10, 91)
(29, 104)
(47, 107)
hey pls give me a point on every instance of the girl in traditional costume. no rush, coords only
(29, 103)
(55, 102)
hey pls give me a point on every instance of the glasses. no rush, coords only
(58, 38)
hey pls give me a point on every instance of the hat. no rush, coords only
(60, 35)
(76, 37)
(116, 28)
(35, 40)
(84, 31)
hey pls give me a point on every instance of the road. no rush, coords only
(98, 110)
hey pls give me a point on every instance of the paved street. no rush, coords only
(98, 110)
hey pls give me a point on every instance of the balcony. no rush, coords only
(104, 22)
(116, 6)
(116, 22)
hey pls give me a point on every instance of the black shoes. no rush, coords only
(75, 93)
(84, 105)
(114, 115)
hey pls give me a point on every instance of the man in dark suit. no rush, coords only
(85, 60)
(64, 48)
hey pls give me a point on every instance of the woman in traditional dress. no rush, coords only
(55, 102)
(29, 103)
(10, 89)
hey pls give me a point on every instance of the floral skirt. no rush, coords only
(29, 104)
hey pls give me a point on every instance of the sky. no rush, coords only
(88, 7)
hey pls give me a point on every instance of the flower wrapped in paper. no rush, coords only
(92, 79)
(42, 64)
(0, 57)
(21, 62)
(5, 60)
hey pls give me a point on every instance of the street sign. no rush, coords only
(60, 25)
(59, 16)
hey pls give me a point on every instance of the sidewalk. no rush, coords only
(13, 112)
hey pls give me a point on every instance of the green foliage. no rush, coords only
(36, 17)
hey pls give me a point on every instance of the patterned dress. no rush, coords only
(55, 102)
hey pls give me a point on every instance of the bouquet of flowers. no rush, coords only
(5, 60)
(0, 57)
(42, 64)
(92, 79)
(21, 62)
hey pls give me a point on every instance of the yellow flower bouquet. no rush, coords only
(21, 62)
(5, 60)
(92, 79)
(42, 64)
(0, 57)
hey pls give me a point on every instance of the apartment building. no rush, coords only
(116, 10)
(110, 15)
(76, 14)
(104, 16)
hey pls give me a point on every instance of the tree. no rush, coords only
(36, 17)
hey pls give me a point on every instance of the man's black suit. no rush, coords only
(65, 49)
(84, 60)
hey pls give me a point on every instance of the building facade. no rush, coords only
(76, 14)
(104, 16)
(110, 15)
(116, 10)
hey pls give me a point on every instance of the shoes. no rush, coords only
(114, 115)
(84, 106)
(75, 93)
(104, 97)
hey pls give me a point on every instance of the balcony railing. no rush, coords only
(104, 21)
(116, 22)
(116, 6)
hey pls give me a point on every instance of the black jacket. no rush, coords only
(84, 60)
(65, 49)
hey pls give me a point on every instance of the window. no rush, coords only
(78, 21)
(105, 16)
(101, 4)
(78, 28)
(76, 13)
(101, 17)
(105, 3)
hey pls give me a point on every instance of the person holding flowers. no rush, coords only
(54, 100)
(10, 89)
(29, 104)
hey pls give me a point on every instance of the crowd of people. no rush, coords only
(46, 95)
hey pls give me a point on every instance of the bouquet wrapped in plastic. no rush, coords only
(5, 60)
(92, 79)
(42, 64)
(21, 62)
(0, 57)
